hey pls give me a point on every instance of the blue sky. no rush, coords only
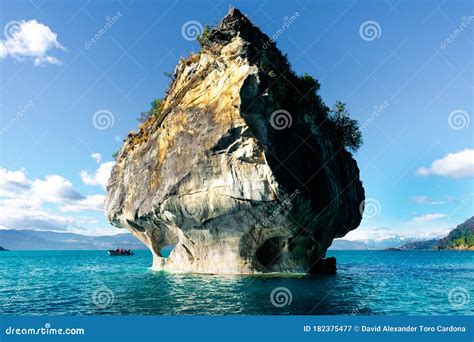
(404, 68)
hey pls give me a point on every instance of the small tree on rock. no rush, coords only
(156, 108)
(347, 129)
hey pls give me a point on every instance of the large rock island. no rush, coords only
(240, 168)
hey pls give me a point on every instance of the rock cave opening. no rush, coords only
(270, 251)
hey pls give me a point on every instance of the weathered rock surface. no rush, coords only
(217, 176)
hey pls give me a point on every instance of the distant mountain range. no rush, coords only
(460, 238)
(420, 245)
(370, 244)
(47, 240)
(344, 245)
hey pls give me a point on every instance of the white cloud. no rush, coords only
(424, 200)
(97, 157)
(365, 233)
(453, 165)
(17, 190)
(30, 40)
(36, 203)
(90, 203)
(101, 175)
(398, 239)
(429, 217)
(52, 203)
(401, 231)
(54, 189)
(21, 218)
(12, 182)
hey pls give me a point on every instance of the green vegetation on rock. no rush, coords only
(205, 34)
(156, 108)
(460, 238)
(347, 128)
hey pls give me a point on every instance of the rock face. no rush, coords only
(242, 170)
(461, 238)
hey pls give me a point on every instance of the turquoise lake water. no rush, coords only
(367, 283)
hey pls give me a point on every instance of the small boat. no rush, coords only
(113, 252)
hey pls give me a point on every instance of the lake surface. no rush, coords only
(367, 283)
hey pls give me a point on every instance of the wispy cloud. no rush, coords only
(424, 200)
(429, 217)
(30, 40)
(453, 165)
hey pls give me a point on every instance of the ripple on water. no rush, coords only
(367, 282)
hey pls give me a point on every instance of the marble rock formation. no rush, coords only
(241, 169)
